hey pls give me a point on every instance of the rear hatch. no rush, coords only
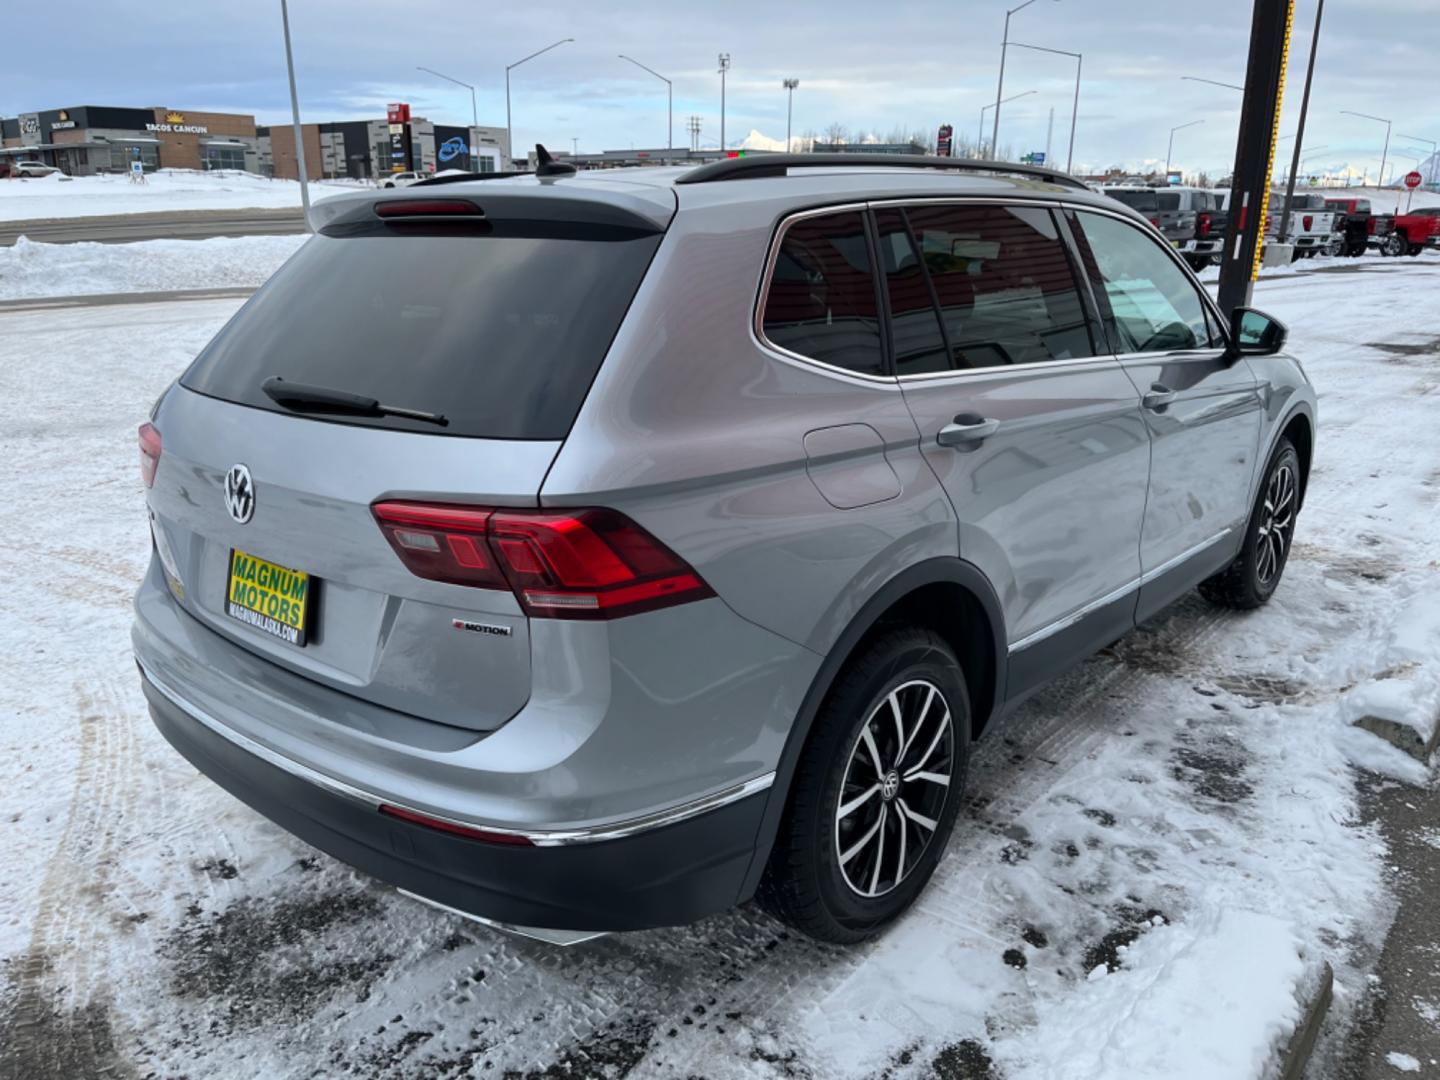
(483, 317)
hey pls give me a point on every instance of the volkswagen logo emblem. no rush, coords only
(240, 494)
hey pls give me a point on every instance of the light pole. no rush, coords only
(1075, 108)
(474, 115)
(295, 113)
(1169, 150)
(980, 140)
(1432, 144)
(790, 85)
(1000, 88)
(669, 97)
(1384, 154)
(509, 131)
(1212, 82)
(724, 67)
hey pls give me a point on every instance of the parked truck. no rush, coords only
(1414, 232)
(1190, 218)
(1358, 225)
(1312, 227)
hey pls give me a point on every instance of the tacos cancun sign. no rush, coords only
(175, 125)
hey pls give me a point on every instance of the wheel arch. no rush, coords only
(1299, 428)
(950, 596)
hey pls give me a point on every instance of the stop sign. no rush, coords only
(1413, 180)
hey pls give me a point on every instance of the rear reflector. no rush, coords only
(471, 832)
(149, 453)
(574, 564)
(403, 208)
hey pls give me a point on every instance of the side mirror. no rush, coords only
(1253, 333)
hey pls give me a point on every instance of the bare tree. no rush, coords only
(837, 133)
(923, 140)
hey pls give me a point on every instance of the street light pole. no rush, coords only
(1170, 150)
(474, 114)
(1075, 109)
(1212, 82)
(1000, 87)
(790, 85)
(980, 135)
(295, 114)
(1432, 145)
(724, 67)
(669, 96)
(1300, 131)
(1384, 154)
(510, 131)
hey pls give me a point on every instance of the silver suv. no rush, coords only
(592, 552)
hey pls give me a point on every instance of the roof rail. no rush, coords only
(771, 165)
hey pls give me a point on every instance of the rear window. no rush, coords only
(500, 328)
(1144, 201)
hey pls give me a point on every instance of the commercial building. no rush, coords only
(870, 148)
(620, 159)
(362, 149)
(89, 139)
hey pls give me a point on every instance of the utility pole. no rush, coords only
(693, 126)
(509, 130)
(1300, 132)
(790, 85)
(724, 67)
(295, 114)
(669, 98)
(1049, 135)
(1255, 150)
(1170, 150)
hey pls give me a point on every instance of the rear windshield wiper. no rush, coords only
(304, 397)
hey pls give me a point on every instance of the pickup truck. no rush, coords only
(1414, 232)
(1190, 218)
(1312, 227)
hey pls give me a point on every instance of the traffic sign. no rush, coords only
(1413, 180)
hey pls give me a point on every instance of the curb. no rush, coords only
(1296, 1055)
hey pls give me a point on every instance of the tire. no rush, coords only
(1335, 248)
(846, 898)
(1414, 249)
(1252, 578)
(1393, 245)
(1198, 262)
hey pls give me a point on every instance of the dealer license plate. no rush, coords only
(273, 599)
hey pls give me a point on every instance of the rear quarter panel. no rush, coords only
(698, 432)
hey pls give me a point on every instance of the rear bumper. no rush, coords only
(662, 876)
(1198, 247)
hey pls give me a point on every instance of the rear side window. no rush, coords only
(1006, 291)
(1141, 200)
(821, 301)
(501, 329)
(1155, 307)
(1169, 200)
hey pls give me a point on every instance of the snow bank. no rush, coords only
(31, 270)
(1211, 998)
(57, 196)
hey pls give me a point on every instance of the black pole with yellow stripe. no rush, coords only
(1255, 150)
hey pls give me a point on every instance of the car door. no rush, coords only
(1201, 406)
(1032, 428)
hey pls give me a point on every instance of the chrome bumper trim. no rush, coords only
(612, 830)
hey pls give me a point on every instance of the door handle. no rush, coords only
(1159, 396)
(967, 429)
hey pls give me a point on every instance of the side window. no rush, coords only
(919, 345)
(1006, 291)
(821, 301)
(1168, 200)
(1156, 308)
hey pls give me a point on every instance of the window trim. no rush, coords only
(767, 273)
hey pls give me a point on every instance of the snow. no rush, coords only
(1194, 1002)
(29, 269)
(58, 196)
(1403, 1062)
(1154, 852)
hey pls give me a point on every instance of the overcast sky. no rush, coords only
(862, 64)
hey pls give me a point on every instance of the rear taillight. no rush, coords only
(149, 453)
(471, 832)
(572, 564)
(1155, 222)
(1202, 224)
(1309, 221)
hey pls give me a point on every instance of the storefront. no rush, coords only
(90, 139)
